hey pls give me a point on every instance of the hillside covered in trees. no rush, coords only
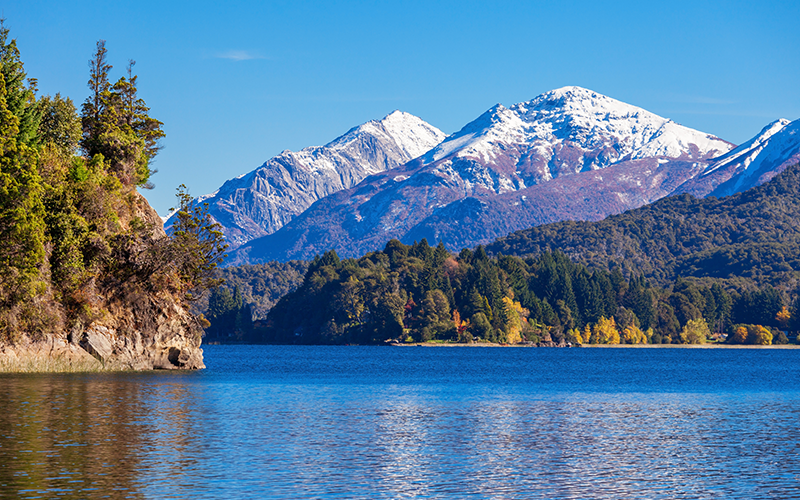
(85, 266)
(741, 241)
(246, 295)
(419, 293)
(724, 261)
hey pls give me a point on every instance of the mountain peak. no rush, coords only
(570, 92)
(263, 200)
(397, 115)
(583, 121)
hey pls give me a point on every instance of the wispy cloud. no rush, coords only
(238, 55)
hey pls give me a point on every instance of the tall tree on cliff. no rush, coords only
(116, 123)
(198, 245)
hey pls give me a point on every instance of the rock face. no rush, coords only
(262, 201)
(117, 347)
(568, 154)
(110, 345)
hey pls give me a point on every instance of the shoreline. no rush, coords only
(609, 346)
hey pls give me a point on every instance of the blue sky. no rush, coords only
(236, 83)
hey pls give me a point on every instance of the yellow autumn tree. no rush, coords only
(760, 335)
(605, 332)
(514, 315)
(634, 335)
(783, 318)
(695, 332)
(574, 336)
(462, 327)
(751, 334)
(739, 336)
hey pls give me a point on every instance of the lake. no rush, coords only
(412, 422)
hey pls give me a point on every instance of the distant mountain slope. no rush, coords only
(569, 153)
(752, 163)
(754, 235)
(262, 201)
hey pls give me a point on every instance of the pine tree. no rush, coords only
(20, 95)
(95, 104)
(198, 244)
(22, 226)
(116, 123)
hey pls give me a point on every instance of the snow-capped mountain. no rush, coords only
(262, 201)
(568, 154)
(561, 132)
(753, 163)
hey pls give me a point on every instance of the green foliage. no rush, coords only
(20, 93)
(76, 236)
(416, 292)
(261, 285)
(198, 243)
(60, 125)
(22, 228)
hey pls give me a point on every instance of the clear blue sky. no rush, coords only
(235, 83)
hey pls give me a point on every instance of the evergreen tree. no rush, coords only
(60, 125)
(116, 123)
(95, 104)
(22, 228)
(199, 245)
(20, 94)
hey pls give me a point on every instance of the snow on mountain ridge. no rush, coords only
(410, 134)
(749, 150)
(583, 117)
(760, 159)
(263, 200)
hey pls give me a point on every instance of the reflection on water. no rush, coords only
(400, 423)
(80, 436)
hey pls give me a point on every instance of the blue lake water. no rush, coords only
(380, 422)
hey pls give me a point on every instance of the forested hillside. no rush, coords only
(247, 294)
(418, 293)
(744, 240)
(84, 259)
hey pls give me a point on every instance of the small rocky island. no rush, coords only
(88, 278)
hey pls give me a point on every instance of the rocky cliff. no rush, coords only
(124, 324)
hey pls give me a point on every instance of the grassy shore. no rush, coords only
(47, 358)
(37, 364)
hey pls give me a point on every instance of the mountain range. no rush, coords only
(262, 201)
(568, 154)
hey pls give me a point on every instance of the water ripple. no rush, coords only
(399, 423)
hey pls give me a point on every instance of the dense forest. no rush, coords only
(77, 237)
(746, 240)
(237, 307)
(727, 267)
(419, 293)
